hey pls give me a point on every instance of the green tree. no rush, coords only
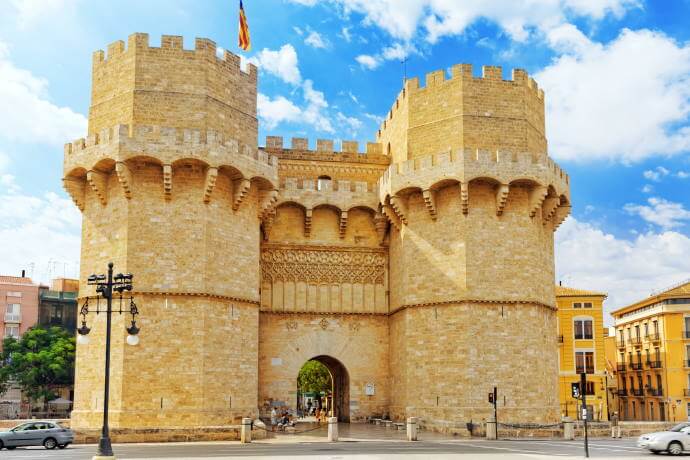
(314, 377)
(38, 362)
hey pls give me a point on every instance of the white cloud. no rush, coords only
(395, 52)
(314, 39)
(591, 114)
(345, 34)
(298, 31)
(37, 229)
(351, 124)
(628, 270)
(661, 212)
(370, 62)
(375, 118)
(281, 110)
(29, 12)
(33, 117)
(647, 188)
(282, 63)
(656, 174)
(403, 19)
(682, 174)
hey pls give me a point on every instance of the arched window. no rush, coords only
(323, 183)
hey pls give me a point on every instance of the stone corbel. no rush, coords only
(501, 198)
(210, 183)
(240, 188)
(465, 197)
(99, 184)
(399, 205)
(549, 208)
(391, 216)
(167, 181)
(380, 222)
(536, 199)
(430, 202)
(124, 176)
(307, 222)
(267, 222)
(343, 223)
(76, 188)
(562, 212)
(268, 200)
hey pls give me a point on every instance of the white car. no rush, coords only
(674, 441)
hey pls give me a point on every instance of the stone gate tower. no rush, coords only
(420, 271)
(172, 187)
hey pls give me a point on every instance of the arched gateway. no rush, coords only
(338, 398)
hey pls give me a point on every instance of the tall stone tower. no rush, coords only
(473, 200)
(172, 189)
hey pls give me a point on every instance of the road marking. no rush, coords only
(516, 451)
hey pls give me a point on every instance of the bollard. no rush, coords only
(332, 429)
(491, 429)
(412, 428)
(568, 429)
(246, 431)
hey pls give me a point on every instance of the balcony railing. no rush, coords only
(622, 392)
(637, 392)
(620, 367)
(654, 337)
(654, 364)
(636, 366)
(620, 343)
(13, 317)
(635, 340)
(655, 391)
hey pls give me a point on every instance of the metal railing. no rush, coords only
(637, 392)
(13, 317)
(635, 340)
(654, 364)
(654, 337)
(655, 391)
(620, 367)
(620, 343)
(636, 366)
(622, 392)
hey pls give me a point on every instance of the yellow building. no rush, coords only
(581, 336)
(653, 362)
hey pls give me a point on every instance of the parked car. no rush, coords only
(37, 433)
(674, 441)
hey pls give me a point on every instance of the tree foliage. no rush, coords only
(40, 360)
(314, 377)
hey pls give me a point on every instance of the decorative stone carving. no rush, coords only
(324, 324)
(323, 265)
(291, 325)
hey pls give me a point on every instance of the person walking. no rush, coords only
(274, 418)
(615, 428)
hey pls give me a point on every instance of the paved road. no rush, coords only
(384, 449)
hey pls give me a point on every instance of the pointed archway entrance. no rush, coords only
(336, 394)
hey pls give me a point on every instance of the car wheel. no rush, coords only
(675, 448)
(50, 443)
(1, 445)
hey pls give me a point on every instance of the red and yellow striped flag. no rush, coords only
(245, 41)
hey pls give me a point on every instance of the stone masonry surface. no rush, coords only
(415, 266)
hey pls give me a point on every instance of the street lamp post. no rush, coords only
(105, 286)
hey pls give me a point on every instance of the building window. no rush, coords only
(657, 354)
(621, 334)
(11, 331)
(646, 329)
(587, 305)
(584, 362)
(577, 305)
(323, 183)
(637, 331)
(13, 313)
(583, 328)
(56, 314)
(656, 326)
(589, 387)
(658, 383)
(648, 356)
(14, 294)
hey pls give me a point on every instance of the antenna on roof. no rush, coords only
(404, 64)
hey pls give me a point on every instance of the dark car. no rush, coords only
(37, 433)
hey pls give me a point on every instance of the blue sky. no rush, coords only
(616, 75)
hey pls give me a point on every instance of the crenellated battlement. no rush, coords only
(326, 150)
(171, 45)
(502, 166)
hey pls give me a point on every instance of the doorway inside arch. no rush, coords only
(323, 383)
